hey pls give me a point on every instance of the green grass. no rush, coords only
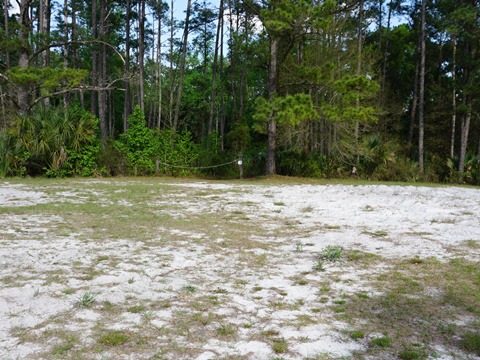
(381, 342)
(114, 338)
(280, 346)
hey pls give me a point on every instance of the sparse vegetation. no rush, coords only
(114, 338)
(156, 250)
(86, 300)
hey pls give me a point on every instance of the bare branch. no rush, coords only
(78, 88)
(38, 52)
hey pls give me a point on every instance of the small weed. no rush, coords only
(298, 247)
(357, 334)
(319, 266)
(339, 302)
(226, 330)
(136, 309)
(102, 258)
(280, 346)
(107, 305)
(189, 288)
(331, 253)
(257, 288)
(338, 309)
(69, 291)
(302, 282)
(307, 209)
(381, 342)
(270, 332)
(279, 203)
(131, 280)
(86, 300)
(362, 295)
(114, 338)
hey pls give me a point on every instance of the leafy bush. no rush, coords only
(138, 145)
(52, 142)
(12, 156)
(177, 153)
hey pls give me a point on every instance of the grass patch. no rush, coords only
(136, 309)
(471, 343)
(381, 342)
(280, 346)
(114, 338)
(331, 253)
(357, 334)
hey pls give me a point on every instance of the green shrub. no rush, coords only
(138, 145)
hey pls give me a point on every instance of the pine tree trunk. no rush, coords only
(141, 57)
(24, 50)
(7, 34)
(65, 48)
(94, 94)
(126, 101)
(159, 70)
(172, 87)
(272, 90)
(102, 75)
(385, 52)
(182, 68)
(454, 97)
(241, 87)
(214, 70)
(421, 93)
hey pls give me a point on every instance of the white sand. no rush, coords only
(391, 221)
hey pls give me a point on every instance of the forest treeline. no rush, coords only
(386, 89)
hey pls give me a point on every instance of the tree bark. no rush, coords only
(94, 95)
(65, 48)
(7, 34)
(24, 51)
(182, 67)
(215, 64)
(141, 57)
(102, 74)
(44, 27)
(454, 97)
(465, 128)
(421, 93)
(272, 90)
(126, 101)
(159, 69)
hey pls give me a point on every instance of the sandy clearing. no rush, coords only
(391, 221)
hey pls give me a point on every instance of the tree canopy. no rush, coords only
(295, 87)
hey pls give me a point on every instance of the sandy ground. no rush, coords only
(391, 221)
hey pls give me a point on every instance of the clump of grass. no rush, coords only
(319, 266)
(86, 300)
(226, 330)
(331, 253)
(298, 247)
(136, 309)
(114, 338)
(63, 348)
(270, 332)
(357, 334)
(189, 288)
(381, 342)
(279, 346)
(471, 342)
(413, 354)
